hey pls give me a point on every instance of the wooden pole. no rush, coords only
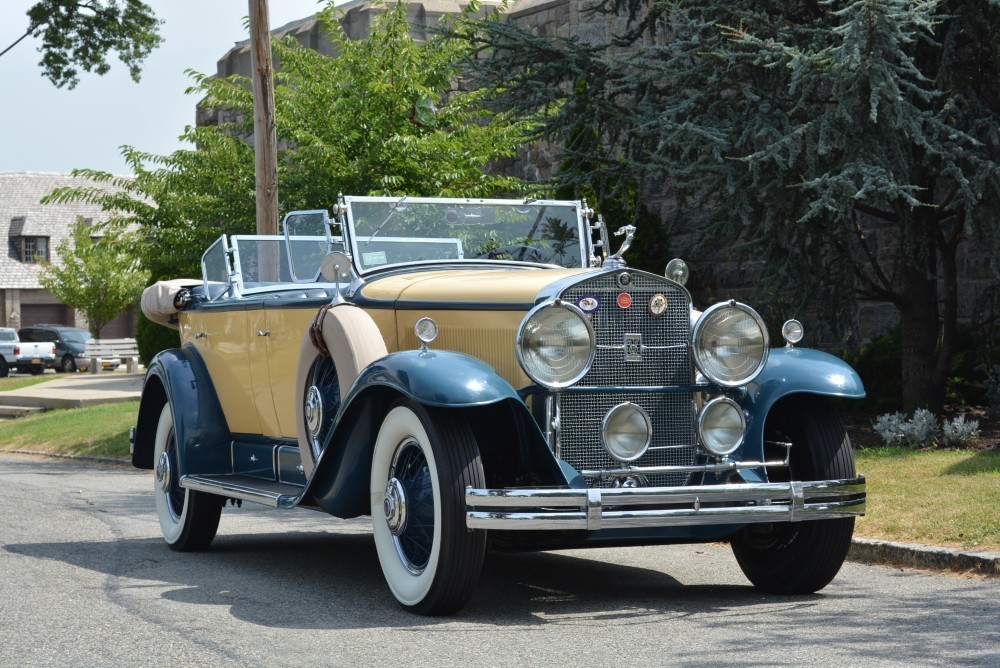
(265, 133)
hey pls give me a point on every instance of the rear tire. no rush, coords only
(801, 557)
(67, 365)
(4, 368)
(188, 519)
(424, 459)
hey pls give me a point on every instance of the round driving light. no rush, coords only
(626, 432)
(792, 332)
(677, 271)
(721, 426)
(555, 344)
(730, 344)
(426, 330)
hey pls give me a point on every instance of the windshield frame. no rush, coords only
(352, 238)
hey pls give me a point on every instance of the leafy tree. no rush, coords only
(381, 117)
(81, 34)
(845, 150)
(98, 276)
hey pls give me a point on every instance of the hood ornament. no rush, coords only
(616, 261)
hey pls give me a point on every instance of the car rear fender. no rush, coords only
(508, 437)
(179, 376)
(795, 371)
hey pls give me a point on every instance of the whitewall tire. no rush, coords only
(423, 460)
(188, 519)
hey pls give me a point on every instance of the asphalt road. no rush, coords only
(86, 580)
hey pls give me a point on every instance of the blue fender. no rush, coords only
(179, 376)
(795, 371)
(436, 378)
(443, 379)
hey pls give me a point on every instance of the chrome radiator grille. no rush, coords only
(666, 360)
(659, 366)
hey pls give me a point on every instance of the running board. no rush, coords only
(246, 488)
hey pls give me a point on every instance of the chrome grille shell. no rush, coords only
(666, 360)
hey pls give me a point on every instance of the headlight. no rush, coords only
(730, 344)
(555, 345)
(626, 432)
(721, 426)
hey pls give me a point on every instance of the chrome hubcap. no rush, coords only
(162, 472)
(394, 507)
(314, 411)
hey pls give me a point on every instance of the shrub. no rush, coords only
(923, 430)
(151, 338)
(960, 430)
(880, 366)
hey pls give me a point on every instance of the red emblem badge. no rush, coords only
(624, 300)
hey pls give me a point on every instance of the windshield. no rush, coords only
(396, 230)
(75, 336)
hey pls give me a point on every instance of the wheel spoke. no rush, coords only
(411, 470)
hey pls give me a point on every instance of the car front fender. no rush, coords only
(443, 379)
(436, 378)
(179, 376)
(796, 371)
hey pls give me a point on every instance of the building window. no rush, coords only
(32, 250)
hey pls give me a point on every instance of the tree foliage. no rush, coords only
(843, 150)
(82, 34)
(96, 275)
(383, 116)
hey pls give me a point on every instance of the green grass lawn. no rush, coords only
(99, 431)
(938, 497)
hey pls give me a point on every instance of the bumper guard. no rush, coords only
(638, 507)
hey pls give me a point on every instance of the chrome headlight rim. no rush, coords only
(696, 332)
(605, 422)
(592, 337)
(705, 412)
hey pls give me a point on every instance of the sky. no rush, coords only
(49, 129)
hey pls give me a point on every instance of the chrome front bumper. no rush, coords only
(644, 507)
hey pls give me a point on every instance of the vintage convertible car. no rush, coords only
(476, 373)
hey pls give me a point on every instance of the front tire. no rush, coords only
(424, 459)
(801, 557)
(188, 519)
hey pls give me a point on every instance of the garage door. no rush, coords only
(122, 327)
(49, 314)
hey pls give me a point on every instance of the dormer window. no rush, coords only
(35, 250)
(27, 249)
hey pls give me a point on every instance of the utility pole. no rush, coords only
(264, 125)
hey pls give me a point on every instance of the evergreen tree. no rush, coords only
(846, 148)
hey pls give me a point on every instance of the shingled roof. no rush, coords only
(22, 214)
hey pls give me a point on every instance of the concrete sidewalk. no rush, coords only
(76, 390)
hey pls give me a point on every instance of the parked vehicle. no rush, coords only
(24, 357)
(70, 344)
(482, 372)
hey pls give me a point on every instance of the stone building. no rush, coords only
(34, 232)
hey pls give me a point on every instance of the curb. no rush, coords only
(121, 461)
(883, 552)
(863, 550)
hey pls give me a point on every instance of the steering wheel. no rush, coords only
(516, 252)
